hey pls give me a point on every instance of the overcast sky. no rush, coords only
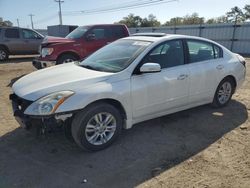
(46, 11)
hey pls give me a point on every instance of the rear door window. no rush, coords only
(118, 32)
(12, 33)
(200, 51)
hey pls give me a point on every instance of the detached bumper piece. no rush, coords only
(41, 124)
(38, 64)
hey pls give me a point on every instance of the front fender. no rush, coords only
(119, 91)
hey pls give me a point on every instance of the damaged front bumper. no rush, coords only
(44, 123)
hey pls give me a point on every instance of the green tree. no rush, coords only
(131, 21)
(247, 12)
(236, 15)
(174, 21)
(150, 21)
(136, 21)
(193, 19)
(5, 22)
(220, 19)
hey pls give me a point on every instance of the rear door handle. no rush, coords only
(182, 77)
(219, 67)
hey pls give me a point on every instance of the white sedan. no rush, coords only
(128, 81)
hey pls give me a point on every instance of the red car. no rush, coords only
(78, 44)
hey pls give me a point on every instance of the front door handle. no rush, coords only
(219, 67)
(182, 77)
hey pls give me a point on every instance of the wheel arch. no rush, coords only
(68, 52)
(5, 47)
(117, 104)
(233, 79)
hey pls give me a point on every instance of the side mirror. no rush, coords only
(150, 68)
(90, 37)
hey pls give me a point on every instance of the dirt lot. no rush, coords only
(201, 147)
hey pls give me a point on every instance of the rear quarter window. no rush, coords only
(12, 33)
(200, 51)
(118, 32)
(218, 52)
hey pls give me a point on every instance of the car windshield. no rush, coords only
(77, 33)
(116, 56)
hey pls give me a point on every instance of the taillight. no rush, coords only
(241, 59)
(243, 63)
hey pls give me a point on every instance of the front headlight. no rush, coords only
(48, 105)
(46, 51)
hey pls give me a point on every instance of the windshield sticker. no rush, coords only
(141, 43)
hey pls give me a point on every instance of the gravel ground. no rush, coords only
(200, 147)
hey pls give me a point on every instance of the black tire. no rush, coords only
(82, 118)
(66, 58)
(216, 101)
(4, 54)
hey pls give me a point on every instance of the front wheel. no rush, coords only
(223, 93)
(66, 58)
(4, 55)
(96, 127)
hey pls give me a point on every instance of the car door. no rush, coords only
(203, 67)
(98, 40)
(12, 39)
(31, 41)
(155, 93)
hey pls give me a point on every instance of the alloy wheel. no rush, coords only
(224, 92)
(68, 60)
(2, 54)
(100, 128)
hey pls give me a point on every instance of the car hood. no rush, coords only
(68, 76)
(50, 39)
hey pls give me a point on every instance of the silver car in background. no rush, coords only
(18, 41)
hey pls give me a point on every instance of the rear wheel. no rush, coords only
(96, 127)
(4, 55)
(66, 58)
(224, 93)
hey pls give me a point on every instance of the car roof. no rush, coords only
(150, 34)
(14, 27)
(104, 25)
(152, 38)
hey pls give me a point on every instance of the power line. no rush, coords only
(110, 6)
(31, 20)
(60, 10)
(129, 5)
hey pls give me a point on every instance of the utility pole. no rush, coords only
(17, 22)
(60, 10)
(31, 15)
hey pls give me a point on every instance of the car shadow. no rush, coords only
(53, 161)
